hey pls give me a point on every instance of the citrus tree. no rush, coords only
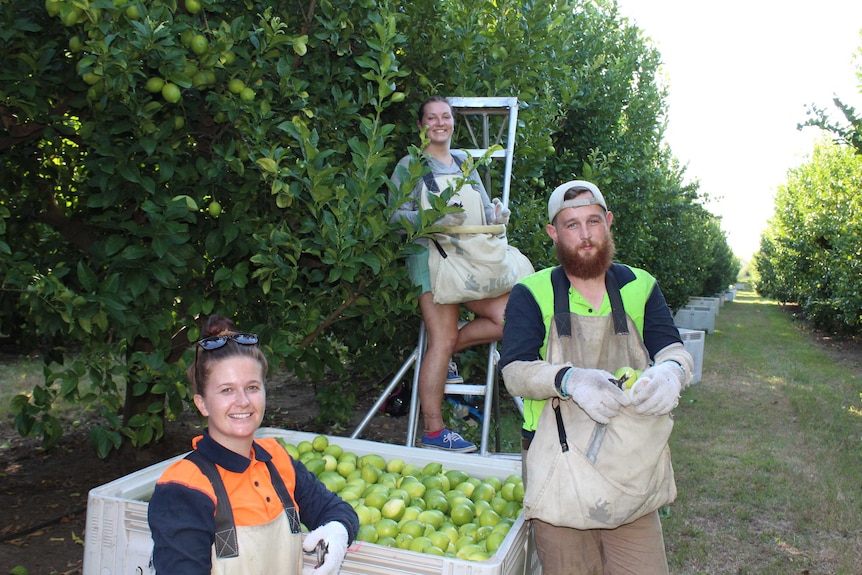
(167, 159)
(812, 247)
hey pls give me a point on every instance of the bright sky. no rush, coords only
(739, 74)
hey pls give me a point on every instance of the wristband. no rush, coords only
(678, 364)
(561, 386)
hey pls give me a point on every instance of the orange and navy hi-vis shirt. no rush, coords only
(182, 510)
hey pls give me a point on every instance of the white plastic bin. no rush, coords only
(693, 340)
(695, 317)
(118, 538)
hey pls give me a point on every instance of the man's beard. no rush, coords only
(587, 267)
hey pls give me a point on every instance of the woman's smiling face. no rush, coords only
(234, 402)
(440, 123)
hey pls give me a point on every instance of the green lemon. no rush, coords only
(199, 44)
(493, 541)
(386, 528)
(171, 93)
(412, 486)
(364, 515)
(518, 493)
(334, 450)
(461, 514)
(376, 499)
(420, 544)
(393, 509)
(370, 473)
(193, 6)
(489, 518)
(433, 517)
(439, 539)
(316, 466)
(466, 488)
(403, 540)
(214, 207)
(483, 492)
(235, 85)
(319, 443)
(395, 465)
(411, 512)
(367, 533)
(331, 462)
(247, 94)
(413, 527)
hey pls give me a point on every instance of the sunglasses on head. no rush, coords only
(217, 341)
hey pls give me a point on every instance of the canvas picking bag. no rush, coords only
(583, 474)
(470, 263)
(473, 261)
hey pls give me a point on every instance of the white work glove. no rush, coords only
(334, 535)
(658, 389)
(501, 213)
(595, 392)
(452, 219)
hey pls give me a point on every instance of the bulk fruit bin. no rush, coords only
(693, 340)
(118, 537)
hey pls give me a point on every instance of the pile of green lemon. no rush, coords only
(426, 509)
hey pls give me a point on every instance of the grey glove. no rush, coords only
(334, 536)
(501, 212)
(593, 391)
(658, 389)
(452, 219)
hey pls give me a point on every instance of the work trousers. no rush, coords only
(636, 548)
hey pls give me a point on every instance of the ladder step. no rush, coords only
(464, 389)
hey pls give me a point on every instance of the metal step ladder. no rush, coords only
(485, 122)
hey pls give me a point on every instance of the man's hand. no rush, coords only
(501, 213)
(334, 536)
(452, 219)
(593, 390)
(658, 389)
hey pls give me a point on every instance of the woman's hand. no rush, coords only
(501, 212)
(334, 537)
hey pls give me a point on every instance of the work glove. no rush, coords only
(334, 535)
(452, 219)
(501, 212)
(595, 392)
(658, 389)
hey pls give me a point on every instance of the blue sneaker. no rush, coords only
(448, 441)
(452, 376)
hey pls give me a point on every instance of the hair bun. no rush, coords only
(218, 325)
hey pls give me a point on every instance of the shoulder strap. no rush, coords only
(430, 180)
(621, 326)
(560, 285)
(225, 535)
(284, 495)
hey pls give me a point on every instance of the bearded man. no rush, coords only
(566, 329)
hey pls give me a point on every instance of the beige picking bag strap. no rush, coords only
(583, 474)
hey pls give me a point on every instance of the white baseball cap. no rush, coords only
(558, 203)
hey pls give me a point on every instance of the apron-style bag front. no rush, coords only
(583, 474)
(473, 261)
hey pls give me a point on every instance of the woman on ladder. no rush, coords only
(444, 339)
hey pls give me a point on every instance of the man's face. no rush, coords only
(583, 240)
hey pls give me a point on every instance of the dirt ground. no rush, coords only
(44, 494)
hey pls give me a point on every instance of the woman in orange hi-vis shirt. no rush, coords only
(235, 504)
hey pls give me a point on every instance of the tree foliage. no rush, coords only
(811, 250)
(167, 159)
